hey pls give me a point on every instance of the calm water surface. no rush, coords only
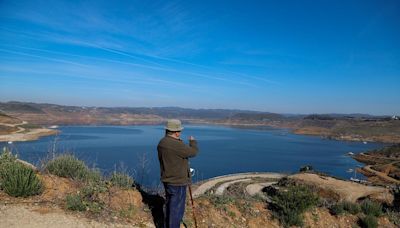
(223, 150)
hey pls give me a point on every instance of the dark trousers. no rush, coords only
(175, 205)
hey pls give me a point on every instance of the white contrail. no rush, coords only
(161, 67)
(42, 57)
(128, 63)
(137, 80)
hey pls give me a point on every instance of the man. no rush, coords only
(173, 155)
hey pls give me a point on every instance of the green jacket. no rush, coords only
(173, 155)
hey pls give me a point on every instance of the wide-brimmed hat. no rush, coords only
(174, 125)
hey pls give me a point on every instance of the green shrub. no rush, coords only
(74, 202)
(371, 208)
(7, 157)
(93, 175)
(87, 198)
(337, 209)
(69, 166)
(394, 217)
(352, 208)
(288, 206)
(92, 190)
(122, 180)
(369, 221)
(18, 180)
(345, 206)
(219, 201)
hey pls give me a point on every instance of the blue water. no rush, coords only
(223, 150)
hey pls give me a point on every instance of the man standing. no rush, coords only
(173, 155)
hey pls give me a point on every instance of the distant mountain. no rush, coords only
(60, 114)
(258, 116)
(334, 116)
(355, 127)
(16, 107)
(19, 107)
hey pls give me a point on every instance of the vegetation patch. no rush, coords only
(369, 207)
(67, 165)
(16, 179)
(220, 202)
(129, 212)
(122, 180)
(75, 202)
(345, 207)
(368, 221)
(289, 204)
(87, 199)
(394, 217)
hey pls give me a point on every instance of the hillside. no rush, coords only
(353, 127)
(58, 114)
(233, 200)
(14, 129)
(382, 165)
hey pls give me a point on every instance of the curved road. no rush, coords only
(209, 184)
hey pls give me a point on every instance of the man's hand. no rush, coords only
(191, 138)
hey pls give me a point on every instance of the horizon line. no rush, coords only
(226, 109)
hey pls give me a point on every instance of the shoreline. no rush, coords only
(31, 135)
(349, 138)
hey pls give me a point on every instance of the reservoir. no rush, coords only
(223, 150)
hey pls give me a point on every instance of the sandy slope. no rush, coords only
(30, 216)
(345, 190)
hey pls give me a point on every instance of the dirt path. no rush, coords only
(349, 191)
(380, 174)
(23, 216)
(256, 188)
(221, 189)
(204, 187)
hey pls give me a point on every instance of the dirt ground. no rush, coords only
(48, 209)
(31, 216)
(344, 190)
(124, 208)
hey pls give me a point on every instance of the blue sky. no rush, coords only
(277, 56)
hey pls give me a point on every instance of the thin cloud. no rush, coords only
(42, 57)
(161, 68)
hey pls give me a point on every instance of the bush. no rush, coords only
(371, 208)
(93, 175)
(69, 166)
(221, 201)
(345, 206)
(369, 221)
(352, 208)
(288, 206)
(337, 209)
(122, 180)
(394, 217)
(87, 198)
(74, 202)
(18, 180)
(7, 157)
